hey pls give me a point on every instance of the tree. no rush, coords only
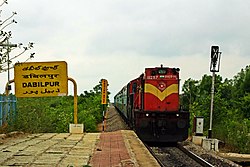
(231, 118)
(246, 81)
(6, 59)
(241, 82)
(191, 92)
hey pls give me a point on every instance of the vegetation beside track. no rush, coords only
(231, 115)
(54, 114)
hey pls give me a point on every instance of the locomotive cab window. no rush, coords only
(162, 71)
(153, 73)
(134, 87)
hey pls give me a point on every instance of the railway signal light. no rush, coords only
(215, 59)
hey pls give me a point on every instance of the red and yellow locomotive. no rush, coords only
(150, 106)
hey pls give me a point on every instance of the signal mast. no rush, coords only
(214, 67)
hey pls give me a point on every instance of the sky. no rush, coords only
(117, 39)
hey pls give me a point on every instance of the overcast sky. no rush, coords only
(117, 39)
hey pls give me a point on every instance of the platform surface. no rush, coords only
(48, 149)
(119, 148)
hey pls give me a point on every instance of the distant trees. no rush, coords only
(231, 116)
(90, 107)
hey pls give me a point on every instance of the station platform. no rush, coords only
(121, 148)
(106, 149)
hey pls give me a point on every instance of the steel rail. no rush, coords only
(152, 152)
(194, 156)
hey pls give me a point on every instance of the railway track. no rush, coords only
(115, 122)
(176, 155)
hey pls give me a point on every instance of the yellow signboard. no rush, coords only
(104, 91)
(40, 79)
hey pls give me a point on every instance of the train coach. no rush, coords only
(150, 105)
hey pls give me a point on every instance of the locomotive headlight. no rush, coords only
(181, 124)
(147, 115)
(177, 115)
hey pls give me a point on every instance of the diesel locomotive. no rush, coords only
(150, 106)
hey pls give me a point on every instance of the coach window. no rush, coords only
(134, 87)
(153, 73)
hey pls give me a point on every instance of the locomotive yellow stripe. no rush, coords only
(149, 88)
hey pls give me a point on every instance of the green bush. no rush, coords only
(54, 114)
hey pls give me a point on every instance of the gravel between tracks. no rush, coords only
(113, 121)
(173, 156)
(209, 156)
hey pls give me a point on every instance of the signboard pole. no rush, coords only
(75, 99)
(103, 117)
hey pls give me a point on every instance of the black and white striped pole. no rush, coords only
(214, 67)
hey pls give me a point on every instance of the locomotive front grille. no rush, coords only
(163, 127)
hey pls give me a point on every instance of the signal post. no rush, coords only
(214, 67)
(210, 143)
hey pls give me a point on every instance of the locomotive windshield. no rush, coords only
(162, 71)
